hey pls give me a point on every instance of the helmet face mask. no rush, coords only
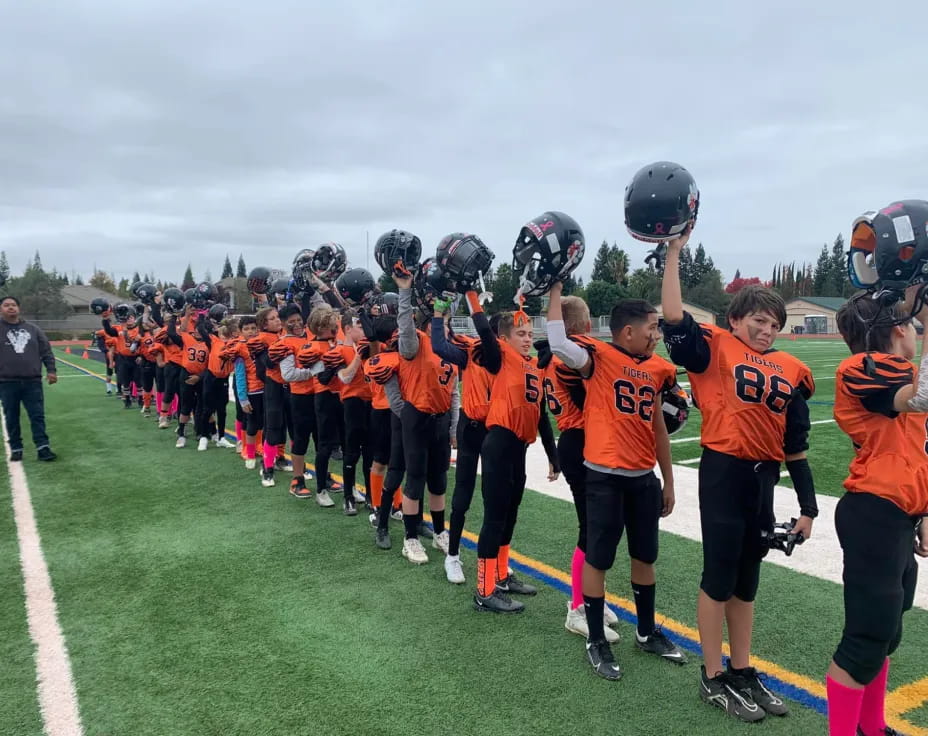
(388, 302)
(146, 294)
(676, 408)
(259, 280)
(122, 312)
(397, 246)
(901, 252)
(660, 201)
(463, 258)
(303, 269)
(548, 249)
(329, 262)
(99, 306)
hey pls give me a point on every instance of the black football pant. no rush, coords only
(303, 411)
(570, 458)
(470, 436)
(503, 463)
(215, 400)
(395, 471)
(427, 450)
(277, 420)
(328, 418)
(357, 416)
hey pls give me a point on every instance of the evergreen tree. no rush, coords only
(702, 265)
(686, 267)
(840, 286)
(103, 282)
(37, 263)
(4, 267)
(241, 272)
(136, 278)
(821, 277)
(226, 268)
(79, 280)
(737, 275)
(188, 282)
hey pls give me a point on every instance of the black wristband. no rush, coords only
(801, 475)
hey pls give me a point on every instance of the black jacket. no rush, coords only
(23, 350)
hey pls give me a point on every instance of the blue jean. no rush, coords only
(27, 392)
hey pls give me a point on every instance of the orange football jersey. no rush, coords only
(123, 341)
(273, 369)
(623, 394)
(891, 458)
(215, 363)
(427, 381)
(310, 353)
(291, 344)
(559, 379)
(377, 370)
(195, 354)
(359, 387)
(147, 346)
(516, 395)
(476, 381)
(743, 396)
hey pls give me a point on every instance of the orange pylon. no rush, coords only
(85, 356)
(68, 349)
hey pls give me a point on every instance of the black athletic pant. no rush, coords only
(880, 573)
(159, 379)
(255, 420)
(277, 421)
(215, 400)
(503, 462)
(570, 458)
(171, 384)
(357, 416)
(427, 450)
(395, 471)
(303, 411)
(470, 436)
(147, 372)
(328, 415)
(192, 404)
(125, 373)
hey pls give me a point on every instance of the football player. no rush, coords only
(624, 381)
(195, 346)
(248, 387)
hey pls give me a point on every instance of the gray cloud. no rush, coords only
(145, 135)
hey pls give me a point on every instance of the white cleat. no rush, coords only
(576, 623)
(359, 497)
(181, 442)
(224, 443)
(397, 515)
(324, 500)
(163, 422)
(454, 570)
(609, 617)
(251, 463)
(415, 552)
(203, 444)
(441, 541)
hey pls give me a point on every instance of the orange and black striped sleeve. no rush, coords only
(876, 380)
(379, 371)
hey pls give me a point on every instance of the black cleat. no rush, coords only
(725, 692)
(885, 732)
(382, 538)
(512, 584)
(350, 508)
(497, 602)
(749, 679)
(46, 455)
(16, 456)
(658, 643)
(600, 655)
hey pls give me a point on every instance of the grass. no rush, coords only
(194, 601)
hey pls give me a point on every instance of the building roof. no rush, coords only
(689, 306)
(81, 296)
(832, 303)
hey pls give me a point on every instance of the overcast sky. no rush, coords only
(142, 135)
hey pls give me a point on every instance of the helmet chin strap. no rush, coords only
(887, 298)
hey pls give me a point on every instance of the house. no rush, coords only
(700, 314)
(815, 315)
(79, 297)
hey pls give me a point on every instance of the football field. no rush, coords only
(194, 601)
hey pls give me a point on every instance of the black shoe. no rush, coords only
(334, 486)
(497, 602)
(600, 655)
(425, 531)
(350, 508)
(283, 465)
(885, 732)
(749, 679)
(512, 584)
(16, 456)
(658, 643)
(337, 454)
(382, 538)
(724, 692)
(46, 455)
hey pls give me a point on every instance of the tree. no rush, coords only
(709, 293)
(136, 278)
(505, 283)
(601, 297)
(737, 274)
(839, 286)
(738, 283)
(122, 290)
(78, 280)
(702, 265)
(188, 282)
(822, 274)
(645, 283)
(4, 267)
(686, 267)
(386, 283)
(610, 264)
(37, 263)
(241, 272)
(226, 269)
(39, 293)
(103, 282)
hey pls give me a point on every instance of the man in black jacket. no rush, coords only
(23, 350)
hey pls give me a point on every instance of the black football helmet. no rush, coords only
(218, 312)
(204, 294)
(99, 305)
(889, 248)
(122, 312)
(134, 288)
(139, 309)
(675, 405)
(659, 202)
(548, 249)
(463, 257)
(259, 280)
(329, 262)
(389, 302)
(281, 287)
(356, 286)
(172, 300)
(429, 283)
(146, 294)
(190, 296)
(303, 269)
(397, 246)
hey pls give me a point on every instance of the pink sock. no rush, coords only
(843, 708)
(250, 451)
(175, 405)
(135, 391)
(270, 455)
(239, 431)
(158, 397)
(576, 578)
(872, 715)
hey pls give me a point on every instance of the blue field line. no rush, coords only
(797, 694)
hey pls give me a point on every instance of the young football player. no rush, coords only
(216, 386)
(754, 417)
(248, 386)
(881, 401)
(624, 381)
(195, 346)
(125, 346)
(515, 419)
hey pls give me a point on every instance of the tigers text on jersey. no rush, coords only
(743, 396)
(476, 381)
(891, 458)
(623, 393)
(516, 395)
(427, 381)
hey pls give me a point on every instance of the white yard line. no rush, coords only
(819, 557)
(56, 691)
